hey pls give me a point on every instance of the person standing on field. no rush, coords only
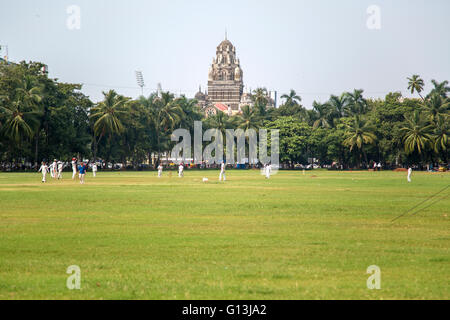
(160, 169)
(94, 169)
(74, 168)
(82, 168)
(379, 166)
(222, 172)
(53, 169)
(409, 174)
(180, 171)
(44, 169)
(60, 169)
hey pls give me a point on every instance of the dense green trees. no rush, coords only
(41, 118)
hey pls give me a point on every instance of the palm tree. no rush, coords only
(322, 115)
(417, 133)
(260, 97)
(191, 112)
(22, 111)
(107, 117)
(292, 106)
(19, 123)
(440, 88)
(169, 113)
(441, 135)
(436, 105)
(248, 119)
(415, 83)
(221, 121)
(165, 114)
(359, 133)
(337, 105)
(355, 103)
(292, 99)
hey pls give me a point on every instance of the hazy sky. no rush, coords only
(314, 47)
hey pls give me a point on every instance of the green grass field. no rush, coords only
(294, 236)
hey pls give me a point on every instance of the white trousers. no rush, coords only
(159, 173)
(44, 176)
(59, 174)
(222, 174)
(74, 173)
(94, 172)
(180, 174)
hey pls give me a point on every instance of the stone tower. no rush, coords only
(225, 78)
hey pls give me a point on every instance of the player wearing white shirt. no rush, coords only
(160, 169)
(222, 172)
(44, 170)
(74, 168)
(94, 169)
(53, 169)
(60, 169)
(180, 171)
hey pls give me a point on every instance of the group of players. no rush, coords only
(56, 168)
(267, 170)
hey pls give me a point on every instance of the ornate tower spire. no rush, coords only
(225, 76)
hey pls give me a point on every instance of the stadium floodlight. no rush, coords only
(6, 57)
(159, 90)
(140, 80)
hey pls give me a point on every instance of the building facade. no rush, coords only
(225, 83)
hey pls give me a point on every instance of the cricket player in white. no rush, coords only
(44, 170)
(60, 169)
(222, 172)
(74, 168)
(409, 174)
(180, 171)
(94, 169)
(53, 169)
(160, 169)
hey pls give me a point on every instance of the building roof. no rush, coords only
(221, 106)
(224, 44)
(200, 96)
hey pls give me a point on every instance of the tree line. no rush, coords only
(43, 118)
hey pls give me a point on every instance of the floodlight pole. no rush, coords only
(6, 48)
(140, 81)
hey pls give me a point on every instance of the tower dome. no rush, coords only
(225, 85)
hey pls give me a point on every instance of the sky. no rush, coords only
(317, 47)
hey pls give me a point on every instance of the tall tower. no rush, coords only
(225, 77)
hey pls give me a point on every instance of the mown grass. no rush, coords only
(294, 236)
